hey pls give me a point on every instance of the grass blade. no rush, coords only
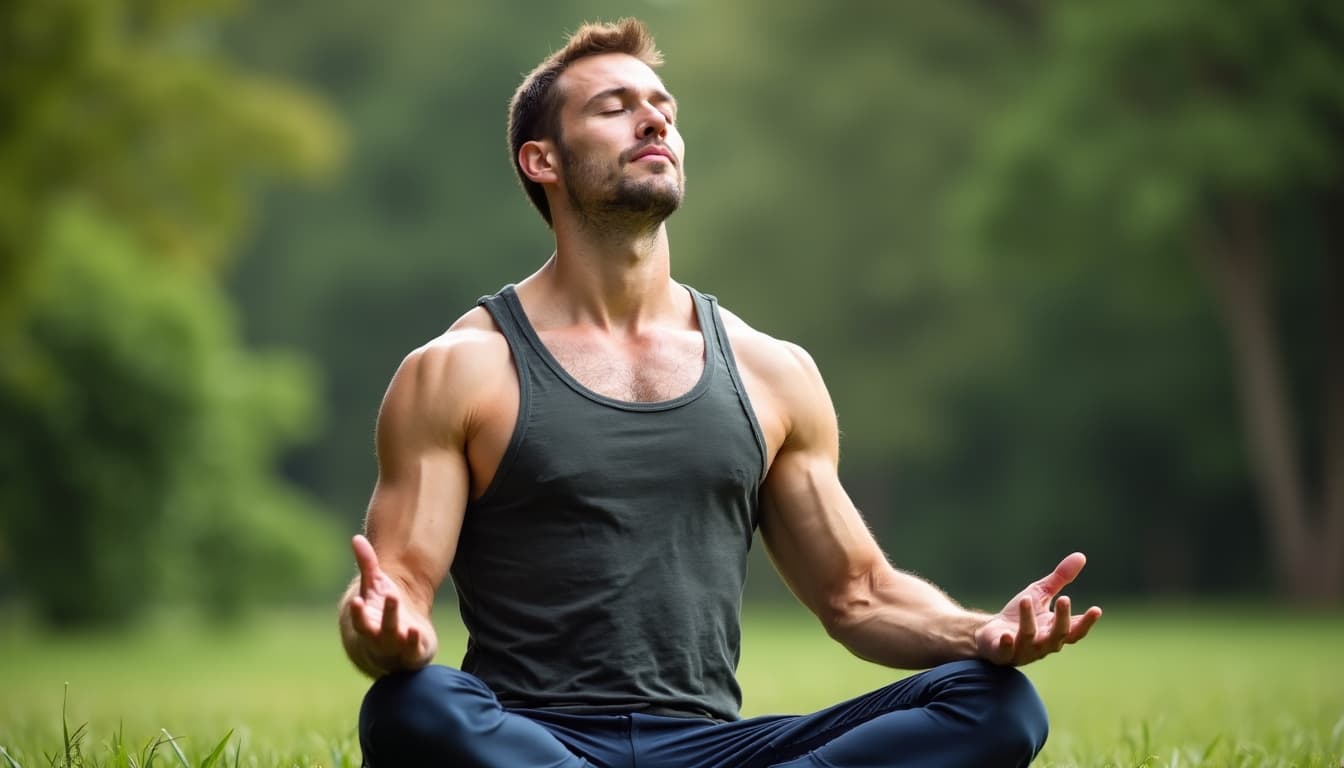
(120, 757)
(213, 757)
(65, 725)
(9, 760)
(172, 742)
(149, 750)
(1208, 751)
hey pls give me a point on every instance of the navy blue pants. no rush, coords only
(966, 713)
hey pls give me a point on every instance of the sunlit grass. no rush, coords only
(1158, 688)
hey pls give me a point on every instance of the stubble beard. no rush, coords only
(607, 201)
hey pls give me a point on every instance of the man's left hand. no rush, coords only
(1028, 628)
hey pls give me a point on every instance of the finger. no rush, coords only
(410, 652)
(1059, 631)
(367, 560)
(1083, 624)
(1064, 573)
(1005, 649)
(1026, 621)
(391, 617)
(359, 615)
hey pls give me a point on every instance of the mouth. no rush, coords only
(654, 153)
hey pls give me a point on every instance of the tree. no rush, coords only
(141, 438)
(1211, 132)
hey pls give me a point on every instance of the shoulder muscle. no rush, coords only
(439, 388)
(786, 389)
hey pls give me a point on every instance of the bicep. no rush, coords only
(815, 536)
(418, 503)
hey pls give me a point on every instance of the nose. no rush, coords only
(652, 122)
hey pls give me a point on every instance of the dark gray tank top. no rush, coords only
(602, 569)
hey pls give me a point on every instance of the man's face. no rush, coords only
(620, 152)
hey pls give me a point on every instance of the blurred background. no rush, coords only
(1074, 273)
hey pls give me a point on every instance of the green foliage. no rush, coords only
(72, 754)
(140, 438)
(1092, 206)
(100, 385)
(123, 103)
(1146, 115)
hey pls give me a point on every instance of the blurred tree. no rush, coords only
(139, 435)
(1211, 132)
(124, 104)
(139, 438)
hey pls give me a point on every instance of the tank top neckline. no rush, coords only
(708, 335)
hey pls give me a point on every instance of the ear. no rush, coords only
(538, 161)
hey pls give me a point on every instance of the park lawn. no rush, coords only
(1153, 687)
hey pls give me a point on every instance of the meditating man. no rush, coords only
(589, 453)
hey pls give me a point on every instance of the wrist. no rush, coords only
(969, 627)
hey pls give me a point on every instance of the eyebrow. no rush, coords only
(658, 95)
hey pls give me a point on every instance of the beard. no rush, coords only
(605, 198)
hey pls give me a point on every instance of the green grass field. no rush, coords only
(1151, 687)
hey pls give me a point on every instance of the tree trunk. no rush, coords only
(1236, 257)
(1332, 453)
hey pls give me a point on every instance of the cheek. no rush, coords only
(677, 144)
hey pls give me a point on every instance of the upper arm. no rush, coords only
(415, 515)
(816, 537)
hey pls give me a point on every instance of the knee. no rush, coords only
(1011, 716)
(408, 717)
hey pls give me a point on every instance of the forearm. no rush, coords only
(899, 620)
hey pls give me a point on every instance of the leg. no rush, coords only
(966, 713)
(440, 716)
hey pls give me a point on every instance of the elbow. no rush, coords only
(848, 606)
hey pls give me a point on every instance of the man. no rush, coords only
(589, 452)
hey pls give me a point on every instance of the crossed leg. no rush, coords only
(967, 713)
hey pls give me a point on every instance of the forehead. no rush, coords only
(594, 74)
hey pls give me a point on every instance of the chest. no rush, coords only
(653, 367)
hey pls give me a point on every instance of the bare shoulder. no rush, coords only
(783, 382)
(448, 379)
(780, 364)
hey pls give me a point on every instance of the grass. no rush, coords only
(1159, 688)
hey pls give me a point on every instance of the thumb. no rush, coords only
(367, 560)
(1064, 573)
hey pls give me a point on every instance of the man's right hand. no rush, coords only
(382, 631)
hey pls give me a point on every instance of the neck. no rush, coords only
(609, 277)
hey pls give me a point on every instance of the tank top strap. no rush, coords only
(506, 311)
(500, 312)
(707, 306)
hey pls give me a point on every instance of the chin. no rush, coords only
(650, 197)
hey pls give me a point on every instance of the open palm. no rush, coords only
(1029, 628)
(395, 634)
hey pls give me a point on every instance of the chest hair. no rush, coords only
(662, 366)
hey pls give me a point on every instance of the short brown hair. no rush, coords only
(534, 110)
